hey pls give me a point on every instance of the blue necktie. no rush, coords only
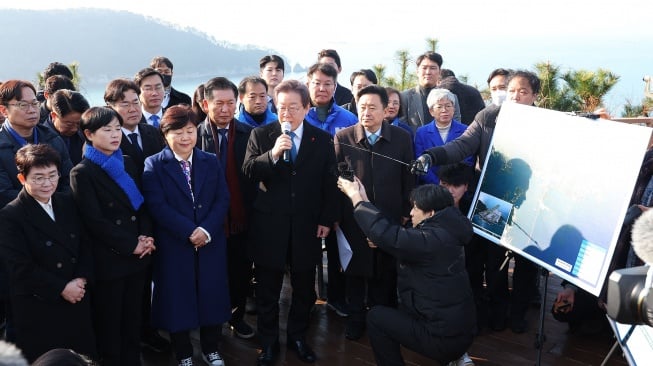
(223, 148)
(155, 120)
(293, 150)
(372, 139)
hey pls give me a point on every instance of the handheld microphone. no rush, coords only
(285, 128)
(643, 237)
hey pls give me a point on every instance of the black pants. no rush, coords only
(117, 319)
(388, 329)
(268, 291)
(240, 274)
(209, 339)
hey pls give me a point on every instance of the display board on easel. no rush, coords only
(555, 189)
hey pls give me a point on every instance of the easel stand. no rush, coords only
(539, 336)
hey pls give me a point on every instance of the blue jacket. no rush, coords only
(427, 137)
(337, 119)
(245, 117)
(190, 286)
(399, 123)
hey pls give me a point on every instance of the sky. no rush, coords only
(474, 37)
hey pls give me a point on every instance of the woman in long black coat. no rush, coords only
(48, 258)
(104, 185)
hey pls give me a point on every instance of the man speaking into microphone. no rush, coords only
(294, 209)
(366, 147)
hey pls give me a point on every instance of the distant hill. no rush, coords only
(109, 44)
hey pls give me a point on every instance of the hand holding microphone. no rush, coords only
(422, 165)
(283, 144)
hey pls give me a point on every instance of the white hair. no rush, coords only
(436, 94)
(10, 355)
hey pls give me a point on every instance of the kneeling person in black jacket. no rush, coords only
(436, 315)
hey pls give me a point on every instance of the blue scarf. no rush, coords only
(114, 166)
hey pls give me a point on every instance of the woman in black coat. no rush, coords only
(435, 316)
(111, 204)
(48, 258)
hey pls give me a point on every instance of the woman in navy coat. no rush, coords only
(186, 193)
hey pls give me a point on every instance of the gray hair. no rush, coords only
(436, 94)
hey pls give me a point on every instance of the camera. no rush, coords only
(629, 300)
(345, 172)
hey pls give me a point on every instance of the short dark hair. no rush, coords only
(433, 56)
(288, 86)
(177, 117)
(374, 89)
(57, 82)
(57, 68)
(498, 72)
(116, 89)
(97, 117)
(66, 101)
(196, 105)
(158, 60)
(326, 69)
(272, 58)
(330, 53)
(13, 89)
(431, 197)
(456, 174)
(36, 155)
(369, 75)
(242, 87)
(219, 83)
(143, 73)
(531, 77)
(445, 73)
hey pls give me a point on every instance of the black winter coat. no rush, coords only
(432, 282)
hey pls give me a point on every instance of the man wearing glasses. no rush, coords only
(294, 209)
(152, 93)
(171, 95)
(139, 139)
(21, 127)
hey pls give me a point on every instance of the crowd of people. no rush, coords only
(159, 213)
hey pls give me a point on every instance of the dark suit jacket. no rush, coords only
(112, 223)
(177, 97)
(388, 184)
(75, 143)
(206, 143)
(42, 257)
(293, 200)
(342, 95)
(470, 99)
(152, 143)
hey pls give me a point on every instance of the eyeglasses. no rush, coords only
(440, 107)
(24, 106)
(127, 105)
(393, 103)
(40, 180)
(290, 109)
(149, 89)
(318, 84)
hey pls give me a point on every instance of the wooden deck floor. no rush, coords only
(490, 348)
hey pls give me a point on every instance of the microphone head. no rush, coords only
(643, 237)
(286, 127)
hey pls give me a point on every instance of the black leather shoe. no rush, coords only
(268, 355)
(303, 350)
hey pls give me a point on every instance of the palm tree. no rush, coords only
(432, 44)
(553, 95)
(74, 69)
(379, 70)
(406, 79)
(590, 86)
